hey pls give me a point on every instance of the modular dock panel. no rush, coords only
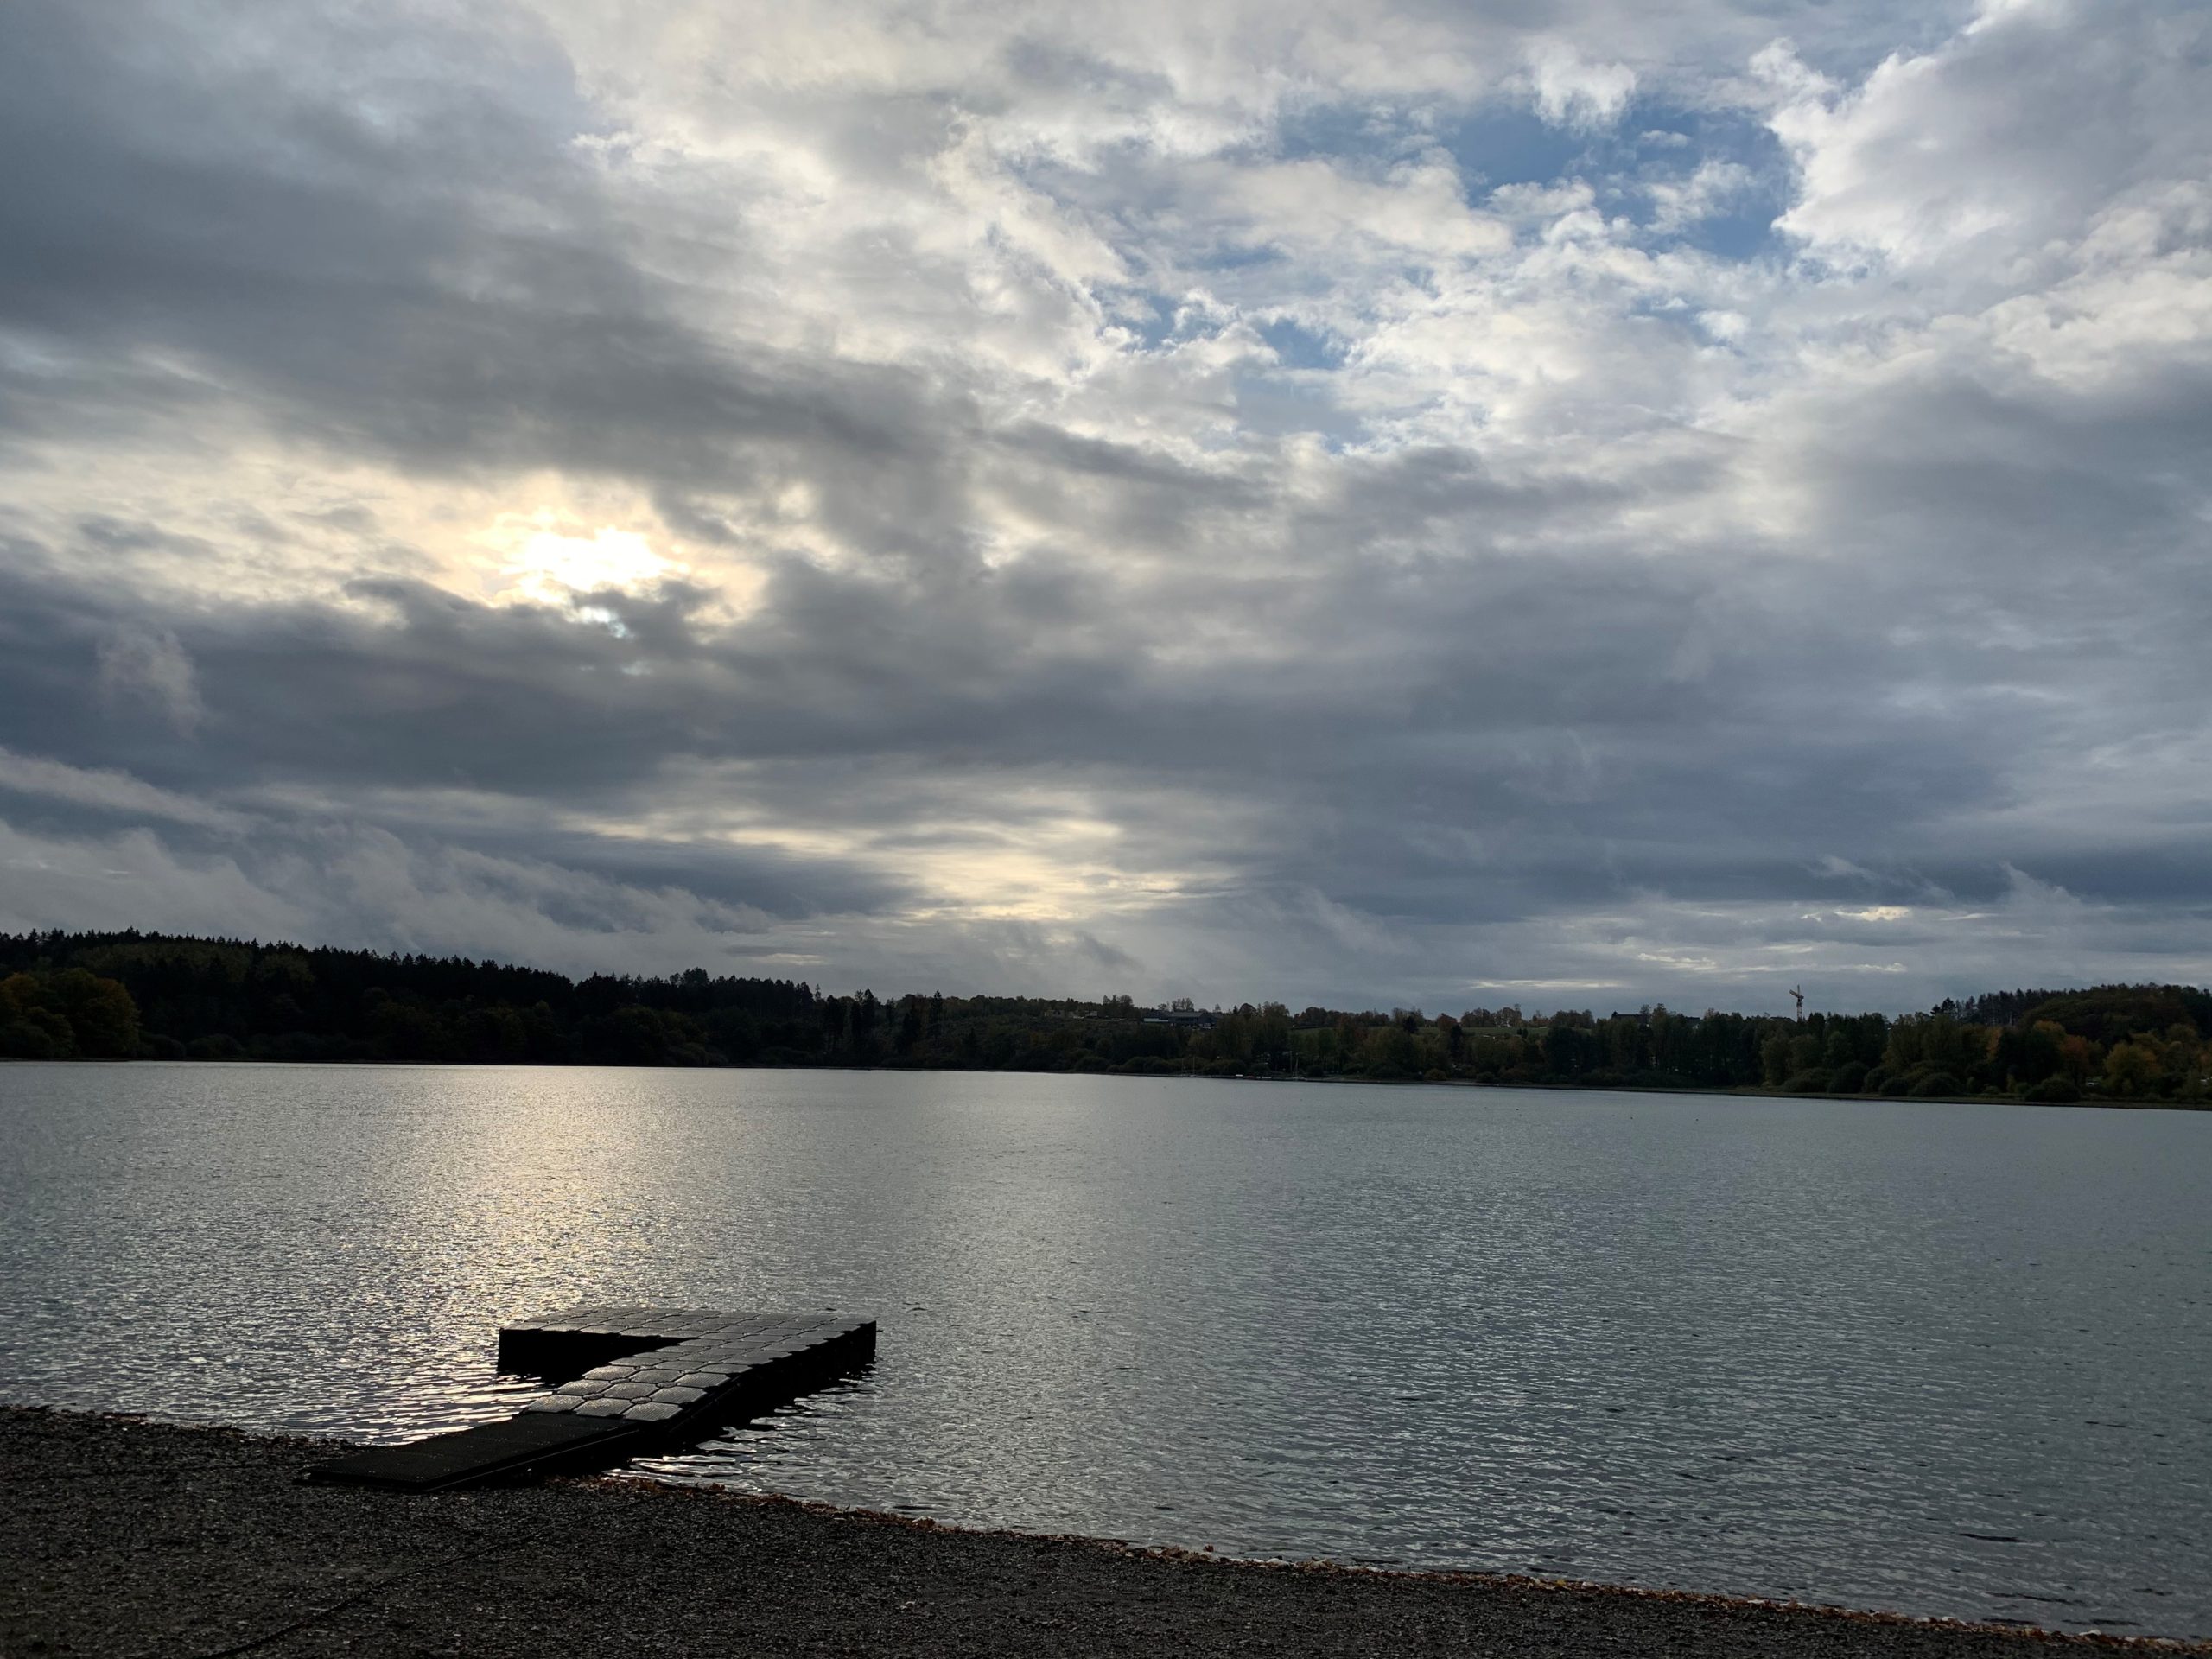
(629, 1378)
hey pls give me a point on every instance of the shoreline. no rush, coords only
(1690, 1091)
(125, 1536)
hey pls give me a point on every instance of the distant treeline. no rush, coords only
(134, 996)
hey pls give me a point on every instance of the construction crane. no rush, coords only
(1800, 996)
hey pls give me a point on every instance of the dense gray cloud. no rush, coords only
(1605, 504)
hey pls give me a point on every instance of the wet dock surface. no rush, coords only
(631, 1379)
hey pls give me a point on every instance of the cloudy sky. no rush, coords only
(1557, 501)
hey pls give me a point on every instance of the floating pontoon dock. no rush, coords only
(641, 1377)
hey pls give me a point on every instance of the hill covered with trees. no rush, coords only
(134, 996)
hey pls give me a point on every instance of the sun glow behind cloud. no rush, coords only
(545, 562)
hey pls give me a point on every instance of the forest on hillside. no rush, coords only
(133, 995)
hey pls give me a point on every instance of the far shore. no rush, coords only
(125, 1537)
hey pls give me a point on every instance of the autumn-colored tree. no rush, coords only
(1496, 1052)
(71, 1015)
(30, 1029)
(101, 1015)
(2131, 1070)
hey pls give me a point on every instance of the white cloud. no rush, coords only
(2000, 147)
(1715, 187)
(1571, 92)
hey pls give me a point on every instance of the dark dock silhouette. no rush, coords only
(631, 1379)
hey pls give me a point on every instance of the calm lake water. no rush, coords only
(1950, 1359)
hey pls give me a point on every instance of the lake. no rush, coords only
(1944, 1358)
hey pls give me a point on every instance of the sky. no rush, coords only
(1571, 503)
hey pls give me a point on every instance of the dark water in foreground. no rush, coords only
(1950, 1359)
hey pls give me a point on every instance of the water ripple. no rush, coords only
(1949, 1360)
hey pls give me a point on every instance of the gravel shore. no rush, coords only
(122, 1537)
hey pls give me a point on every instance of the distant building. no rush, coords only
(1191, 1019)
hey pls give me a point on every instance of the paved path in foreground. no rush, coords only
(132, 1539)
